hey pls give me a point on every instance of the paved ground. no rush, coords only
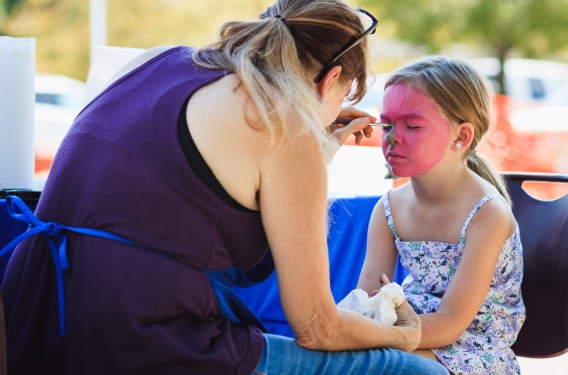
(550, 366)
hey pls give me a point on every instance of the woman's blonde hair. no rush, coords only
(464, 96)
(278, 56)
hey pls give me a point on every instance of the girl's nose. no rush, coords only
(392, 137)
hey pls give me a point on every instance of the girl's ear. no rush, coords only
(465, 133)
(329, 79)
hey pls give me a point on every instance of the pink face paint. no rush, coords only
(420, 134)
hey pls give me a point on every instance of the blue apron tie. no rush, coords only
(222, 281)
(231, 305)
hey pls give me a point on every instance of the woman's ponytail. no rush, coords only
(277, 57)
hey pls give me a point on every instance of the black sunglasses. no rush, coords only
(370, 30)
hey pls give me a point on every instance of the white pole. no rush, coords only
(98, 17)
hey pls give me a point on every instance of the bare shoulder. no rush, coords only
(400, 196)
(378, 223)
(219, 125)
(495, 212)
(495, 216)
(397, 198)
(224, 110)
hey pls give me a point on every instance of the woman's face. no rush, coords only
(336, 99)
(420, 134)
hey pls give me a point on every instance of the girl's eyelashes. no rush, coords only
(409, 127)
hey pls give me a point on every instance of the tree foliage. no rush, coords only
(6, 7)
(532, 27)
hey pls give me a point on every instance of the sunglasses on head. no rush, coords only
(370, 30)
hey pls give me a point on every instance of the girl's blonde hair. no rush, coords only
(464, 96)
(278, 56)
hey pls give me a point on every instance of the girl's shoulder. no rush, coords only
(490, 205)
(398, 196)
(493, 208)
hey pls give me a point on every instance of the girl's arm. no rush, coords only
(381, 252)
(485, 236)
(293, 203)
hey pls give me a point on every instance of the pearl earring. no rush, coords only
(458, 145)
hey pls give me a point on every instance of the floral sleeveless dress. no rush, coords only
(485, 346)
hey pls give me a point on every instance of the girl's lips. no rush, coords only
(394, 155)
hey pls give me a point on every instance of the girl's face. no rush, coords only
(419, 135)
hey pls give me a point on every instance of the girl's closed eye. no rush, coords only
(387, 124)
(410, 127)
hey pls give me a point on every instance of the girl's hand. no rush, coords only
(407, 319)
(359, 126)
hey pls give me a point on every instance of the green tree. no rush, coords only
(532, 27)
(9, 4)
(6, 7)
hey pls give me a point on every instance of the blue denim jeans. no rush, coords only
(282, 356)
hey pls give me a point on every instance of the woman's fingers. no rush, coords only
(342, 132)
(359, 126)
(368, 131)
(353, 113)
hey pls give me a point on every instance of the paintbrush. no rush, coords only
(345, 121)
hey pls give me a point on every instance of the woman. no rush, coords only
(190, 165)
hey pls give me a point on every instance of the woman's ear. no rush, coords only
(329, 79)
(465, 134)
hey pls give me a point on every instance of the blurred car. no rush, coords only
(58, 100)
(526, 79)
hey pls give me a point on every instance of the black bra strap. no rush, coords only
(199, 166)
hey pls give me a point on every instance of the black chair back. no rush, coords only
(543, 227)
(3, 366)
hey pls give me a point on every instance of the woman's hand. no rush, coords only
(359, 126)
(411, 323)
(407, 320)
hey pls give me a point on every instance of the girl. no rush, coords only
(452, 225)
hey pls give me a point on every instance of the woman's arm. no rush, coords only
(293, 203)
(381, 252)
(485, 236)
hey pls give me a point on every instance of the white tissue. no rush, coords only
(380, 307)
(17, 100)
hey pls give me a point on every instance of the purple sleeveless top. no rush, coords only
(129, 311)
